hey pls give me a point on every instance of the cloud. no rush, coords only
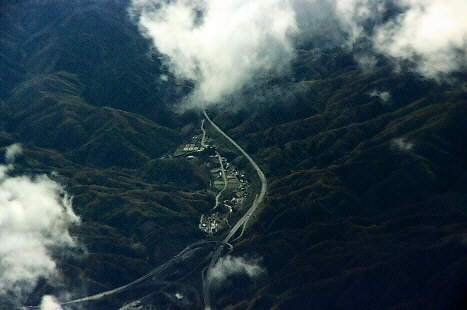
(356, 15)
(229, 265)
(49, 303)
(384, 96)
(402, 144)
(35, 214)
(12, 152)
(219, 45)
(316, 19)
(222, 47)
(430, 34)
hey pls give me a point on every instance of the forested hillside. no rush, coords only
(81, 93)
(367, 168)
(366, 201)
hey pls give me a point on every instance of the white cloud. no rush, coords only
(35, 214)
(220, 45)
(230, 265)
(223, 46)
(428, 35)
(402, 144)
(384, 96)
(49, 303)
(354, 14)
(12, 152)
(317, 19)
(431, 34)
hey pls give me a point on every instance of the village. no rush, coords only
(230, 185)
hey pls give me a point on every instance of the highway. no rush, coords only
(264, 183)
(183, 255)
(243, 220)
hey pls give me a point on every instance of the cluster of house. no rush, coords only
(213, 223)
(192, 147)
(237, 186)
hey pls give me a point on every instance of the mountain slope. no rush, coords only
(366, 201)
(367, 170)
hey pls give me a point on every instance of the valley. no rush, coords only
(331, 176)
(212, 225)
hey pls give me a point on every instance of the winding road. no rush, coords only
(243, 220)
(219, 157)
(264, 183)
